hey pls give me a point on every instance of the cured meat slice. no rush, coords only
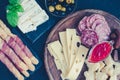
(89, 38)
(82, 24)
(13, 57)
(26, 50)
(10, 66)
(10, 41)
(7, 32)
(97, 23)
(18, 50)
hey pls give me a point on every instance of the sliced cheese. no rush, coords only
(69, 34)
(78, 63)
(57, 50)
(101, 76)
(74, 48)
(63, 40)
(89, 75)
(102, 65)
(92, 66)
(113, 77)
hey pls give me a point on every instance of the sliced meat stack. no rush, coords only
(98, 24)
(14, 54)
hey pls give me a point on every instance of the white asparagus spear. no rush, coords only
(20, 43)
(10, 66)
(20, 53)
(14, 58)
(17, 49)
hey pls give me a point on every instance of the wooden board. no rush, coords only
(72, 21)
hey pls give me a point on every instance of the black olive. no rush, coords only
(78, 44)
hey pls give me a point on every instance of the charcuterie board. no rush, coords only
(72, 22)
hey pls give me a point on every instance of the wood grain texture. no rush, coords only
(72, 21)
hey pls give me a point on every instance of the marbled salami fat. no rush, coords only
(89, 37)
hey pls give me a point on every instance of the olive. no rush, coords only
(51, 8)
(70, 9)
(58, 7)
(63, 9)
(68, 1)
(63, 13)
(61, 0)
(56, 12)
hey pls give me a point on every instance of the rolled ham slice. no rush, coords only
(26, 50)
(10, 41)
(10, 66)
(7, 32)
(12, 56)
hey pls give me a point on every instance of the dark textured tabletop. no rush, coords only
(37, 45)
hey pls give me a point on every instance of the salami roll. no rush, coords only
(4, 59)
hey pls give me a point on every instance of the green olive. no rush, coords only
(63, 9)
(68, 1)
(51, 8)
(58, 7)
(61, 0)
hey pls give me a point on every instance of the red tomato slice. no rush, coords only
(100, 51)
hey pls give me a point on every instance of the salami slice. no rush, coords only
(89, 38)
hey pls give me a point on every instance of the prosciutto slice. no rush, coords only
(18, 50)
(12, 56)
(7, 32)
(10, 66)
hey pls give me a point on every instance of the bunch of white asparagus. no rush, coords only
(14, 54)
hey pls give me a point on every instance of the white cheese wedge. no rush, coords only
(63, 40)
(74, 48)
(78, 63)
(33, 13)
(69, 34)
(57, 50)
(38, 19)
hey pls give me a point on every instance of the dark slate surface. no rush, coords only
(36, 40)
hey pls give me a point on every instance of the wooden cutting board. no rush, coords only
(72, 21)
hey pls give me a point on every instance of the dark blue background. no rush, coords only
(36, 40)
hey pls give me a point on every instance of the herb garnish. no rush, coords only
(13, 9)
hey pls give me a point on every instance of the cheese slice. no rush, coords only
(101, 76)
(74, 48)
(69, 34)
(78, 63)
(92, 66)
(89, 75)
(56, 49)
(56, 60)
(63, 40)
